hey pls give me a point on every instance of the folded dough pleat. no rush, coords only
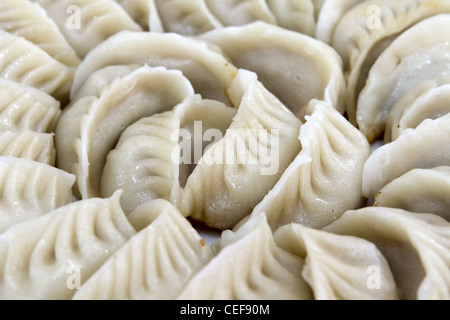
(249, 266)
(156, 263)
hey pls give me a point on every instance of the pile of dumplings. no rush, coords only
(345, 196)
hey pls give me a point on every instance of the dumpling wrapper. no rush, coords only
(424, 147)
(139, 10)
(209, 72)
(156, 155)
(156, 263)
(419, 190)
(87, 23)
(29, 20)
(31, 189)
(416, 246)
(294, 67)
(417, 105)
(90, 128)
(48, 257)
(24, 108)
(312, 190)
(249, 266)
(298, 16)
(413, 57)
(339, 267)
(235, 174)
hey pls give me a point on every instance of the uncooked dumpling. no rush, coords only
(368, 28)
(428, 100)
(424, 147)
(294, 67)
(156, 263)
(157, 154)
(416, 246)
(250, 266)
(419, 190)
(236, 173)
(339, 267)
(208, 71)
(48, 258)
(87, 23)
(186, 17)
(24, 62)
(90, 128)
(294, 15)
(312, 191)
(139, 10)
(25, 108)
(29, 145)
(418, 54)
(28, 20)
(25, 196)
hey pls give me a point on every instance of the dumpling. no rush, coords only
(236, 173)
(28, 20)
(413, 57)
(24, 62)
(312, 190)
(156, 263)
(249, 266)
(87, 23)
(331, 12)
(294, 15)
(139, 10)
(29, 145)
(25, 108)
(158, 153)
(425, 147)
(90, 128)
(186, 17)
(339, 267)
(25, 195)
(416, 246)
(294, 67)
(368, 28)
(48, 258)
(428, 100)
(209, 72)
(238, 13)
(419, 190)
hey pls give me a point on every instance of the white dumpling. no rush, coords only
(186, 17)
(419, 190)
(236, 173)
(36, 146)
(27, 19)
(25, 195)
(250, 266)
(368, 28)
(432, 103)
(294, 15)
(101, 79)
(158, 153)
(90, 128)
(331, 12)
(424, 147)
(312, 190)
(25, 108)
(416, 246)
(339, 267)
(237, 13)
(156, 263)
(24, 62)
(86, 23)
(208, 71)
(413, 57)
(294, 67)
(48, 258)
(139, 10)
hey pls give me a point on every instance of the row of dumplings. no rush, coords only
(115, 105)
